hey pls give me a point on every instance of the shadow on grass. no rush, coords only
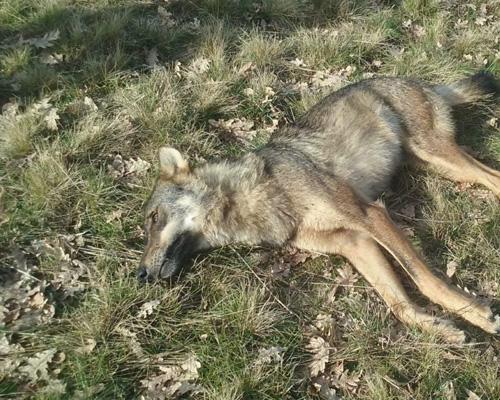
(100, 44)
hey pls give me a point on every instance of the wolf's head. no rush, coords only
(175, 215)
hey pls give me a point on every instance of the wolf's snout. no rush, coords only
(142, 274)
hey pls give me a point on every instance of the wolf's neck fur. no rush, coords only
(254, 209)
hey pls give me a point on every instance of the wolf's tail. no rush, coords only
(479, 86)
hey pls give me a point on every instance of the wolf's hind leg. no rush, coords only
(456, 164)
(387, 234)
(365, 254)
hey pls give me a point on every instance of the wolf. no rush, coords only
(315, 185)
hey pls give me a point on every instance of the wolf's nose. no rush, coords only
(142, 274)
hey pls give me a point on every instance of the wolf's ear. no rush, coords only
(172, 164)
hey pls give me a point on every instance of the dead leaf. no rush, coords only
(10, 356)
(324, 321)
(42, 104)
(323, 79)
(89, 345)
(280, 269)
(451, 268)
(449, 391)
(174, 380)
(37, 368)
(199, 65)
(89, 392)
(269, 355)
(44, 41)
(114, 216)
(129, 169)
(234, 129)
(190, 368)
(346, 276)
(322, 386)
(321, 352)
(166, 17)
(245, 68)
(148, 308)
(11, 108)
(344, 379)
(82, 107)
(248, 92)
(51, 59)
(194, 25)
(472, 395)
(151, 57)
(298, 62)
(54, 387)
(51, 119)
(408, 211)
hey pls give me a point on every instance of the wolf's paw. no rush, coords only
(482, 316)
(448, 332)
(494, 324)
(488, 322)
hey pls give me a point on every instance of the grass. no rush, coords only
(219, 59)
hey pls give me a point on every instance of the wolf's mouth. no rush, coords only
(177, 253)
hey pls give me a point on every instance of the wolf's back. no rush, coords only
(479, 86)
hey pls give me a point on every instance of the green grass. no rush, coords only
(220, 59)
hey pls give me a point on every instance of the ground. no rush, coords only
(90, 89)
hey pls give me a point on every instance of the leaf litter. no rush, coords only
(239, 129)
(41, 42)
(27, 300)
(128, 170)
(172, 381)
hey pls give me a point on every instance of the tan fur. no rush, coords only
(315, 185)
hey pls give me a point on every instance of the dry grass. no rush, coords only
(70, 209)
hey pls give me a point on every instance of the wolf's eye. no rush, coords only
(154, 217)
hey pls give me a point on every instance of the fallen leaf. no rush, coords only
(200, 65)
(173, 381)
(42, 104)
(324, 321)
(345, 379)
(322, 79)
(280, 269)
(89, 392)
(298, 62)
(11, 108)
(234, 129)
(87, 347)
(245, 68)
(82, 107)
(322, 386)
(451, 268)
(54, 387)
(346, 276)
(51, 59)
(37, 367)
(44, 41)
(151, 57)
(408, 211)
(248, 92)
(472, 395)
(166, 17)
(321, 352)
(194, 25)
(190, 367)
(269, 355)
(51, 119)
(148, 308)
(130, 169)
